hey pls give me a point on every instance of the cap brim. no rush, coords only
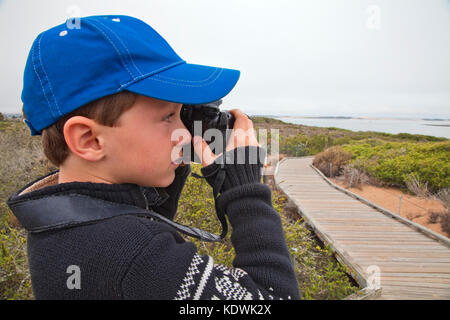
(188, 84)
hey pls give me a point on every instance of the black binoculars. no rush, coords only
(210, 117)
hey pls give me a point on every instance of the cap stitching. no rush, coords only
(184, 85)
(190, 81)
(40, 81)
(117, 50)
(129, 54)
(46, 76)
(151, 73)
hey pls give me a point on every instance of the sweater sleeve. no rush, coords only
(262, 269)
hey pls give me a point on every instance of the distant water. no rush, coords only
(413, 126)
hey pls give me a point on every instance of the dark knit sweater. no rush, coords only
(130, 257)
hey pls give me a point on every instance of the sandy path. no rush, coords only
(413, 208)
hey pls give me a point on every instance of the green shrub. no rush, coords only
(15, 282)
(394, 162)
(301, 145)
(294, 146)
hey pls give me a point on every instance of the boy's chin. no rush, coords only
(167, 181)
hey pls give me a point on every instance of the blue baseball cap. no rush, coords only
(73, 64)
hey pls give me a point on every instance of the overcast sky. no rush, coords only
(315, 57)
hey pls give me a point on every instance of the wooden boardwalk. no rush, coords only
(379, 249)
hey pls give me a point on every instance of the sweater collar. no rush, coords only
(130, 194)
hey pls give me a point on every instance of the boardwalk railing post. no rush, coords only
(351, 179)
(400, 205)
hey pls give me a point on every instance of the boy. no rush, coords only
(106, 98)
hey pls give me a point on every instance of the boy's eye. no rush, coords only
(169, 116)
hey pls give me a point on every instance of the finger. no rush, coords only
(203, 151)
(237, 113)
(241, 119)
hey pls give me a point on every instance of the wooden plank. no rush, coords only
(384, 238)
(389, 242)
(368, 228)
(352, 219)
(427, 276)
(445, 266)
(330, 206)
(387, 247)
(384, 279)
(396, 295)
(421, 255)
(394, 258)
(411, 269)
(345, 213)
(365, 221)
(359, 227)
(357, 252)
(438, 293)
(415, 284)
(382, 233)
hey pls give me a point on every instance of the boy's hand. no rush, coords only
(242, 135)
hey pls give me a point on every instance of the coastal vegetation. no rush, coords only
(416, 164)
(389, 159)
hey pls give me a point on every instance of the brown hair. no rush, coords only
(105, 111)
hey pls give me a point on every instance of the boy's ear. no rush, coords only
(83, 138)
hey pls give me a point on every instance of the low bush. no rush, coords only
(444, 196)
(354, 176)
(332, 161)
(415, 186)
(445, 222)
(434, 217)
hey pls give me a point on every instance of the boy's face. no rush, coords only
(144, 143)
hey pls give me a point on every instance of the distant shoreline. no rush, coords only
(359, 118)
(423, 126)
(437, 125)
(18, 115)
